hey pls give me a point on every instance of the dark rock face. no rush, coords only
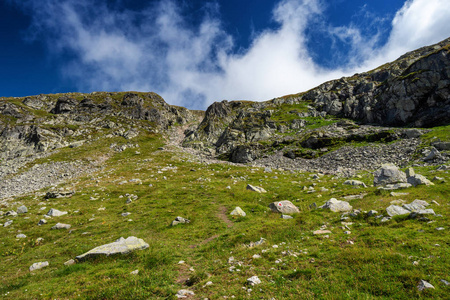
(413, 90)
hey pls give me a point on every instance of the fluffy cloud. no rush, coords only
(157, 49)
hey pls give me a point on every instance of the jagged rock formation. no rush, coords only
(413, 91)
(35, 125)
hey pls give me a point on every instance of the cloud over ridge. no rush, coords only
(157, 49)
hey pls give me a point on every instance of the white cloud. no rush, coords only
(158, 50)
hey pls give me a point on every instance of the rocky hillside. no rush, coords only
(412, 91)
(319, 195)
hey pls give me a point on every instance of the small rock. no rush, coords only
(42, 222)
(7, 223)
(286, 217)
(238, 212)
(336, 205)
(355, 183)
(440, 228)
(61, 226)
(21, 236)
(135, 272)
(256, 256)
(22, 209)
(56, 213)
(180, 220)
(254, 280)
(385, 219)
(120, 246)
(256, 189)
(38, 265)
(395, 210)
(184, 293)
(69, 262)
(423, 285)
(125, 214)
(444, 281)
(318, 232)
(372, 213)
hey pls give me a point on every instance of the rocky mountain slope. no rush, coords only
(338, 192)
(411, 91)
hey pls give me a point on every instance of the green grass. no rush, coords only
(378, 265)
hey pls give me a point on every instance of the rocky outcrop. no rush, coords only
(413, 90)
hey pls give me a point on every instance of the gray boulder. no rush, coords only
(56, 213)
(61, 226)
(395, 210)
(389, 174)
(284, 207)
(256, 189)
(337, 205)
(180, 220)
(418, 179)
(424, 285)
(120, 246)
(355, 183)
(238, 212)
(433, 154)
(22, 209)
(38, 265)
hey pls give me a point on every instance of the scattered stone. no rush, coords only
(254, 280)
(56, 213)
(39, 241)
(125, 214)
(418, 179)
(42, 222)
(7, 223)
(284, 207)
(184, 293)
(320, 231)
(61, 193)
(395, 210)
(438, 179)
(286, 217)
(395, 194)
(336, 205)
(443, 168)
(38, 265)
(355, 183)
(21, 236)
(61, 226)
(120, 246)
(267, 170)
(256, 256)
(423, 285)
(179, 220)
(22, 209)
(135, 272)
(444, 281)
(433, 154)
(238, 212)
(397, 186)
(372, 213)
(353, 197)
(257, 243)
(440, 228)
(435, 202)
(256, 189)
(388, 174)
(385, 219)
(410, 172)
(11, 213)
(69, 262)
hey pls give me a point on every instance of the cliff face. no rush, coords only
(413, 90)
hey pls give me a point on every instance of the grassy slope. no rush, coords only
(378, 264)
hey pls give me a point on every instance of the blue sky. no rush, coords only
(196, 52)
